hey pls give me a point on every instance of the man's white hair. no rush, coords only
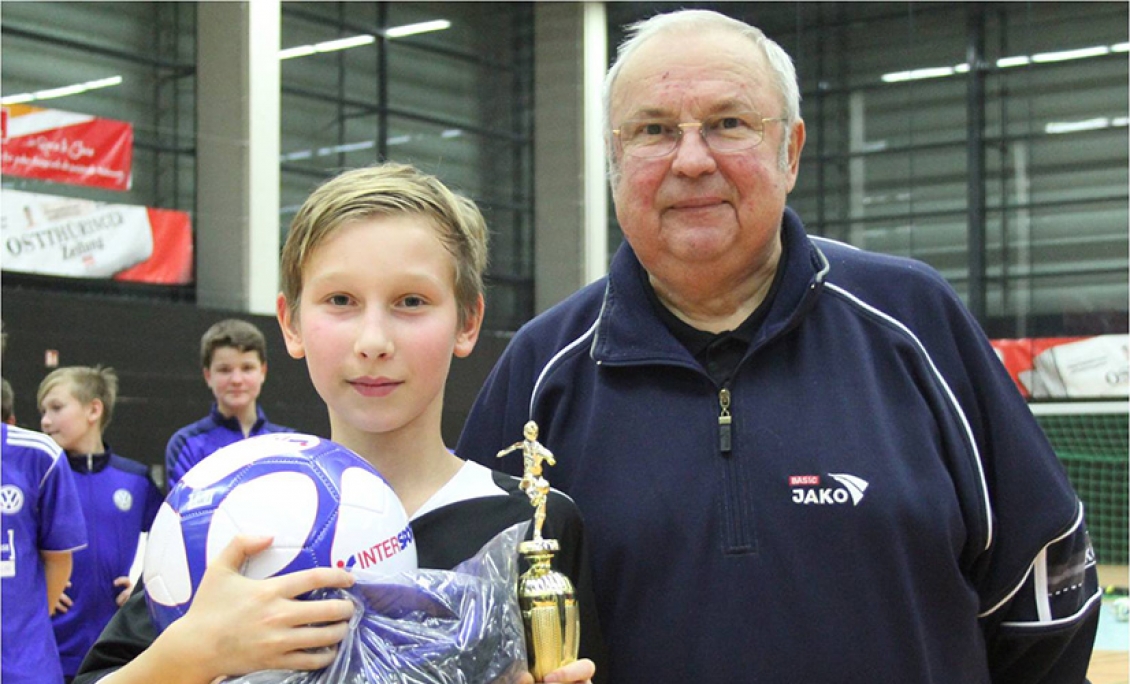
(784, 73)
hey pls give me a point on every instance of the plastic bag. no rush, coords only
(430, 626)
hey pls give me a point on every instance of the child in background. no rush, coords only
(41, 525)
(119, 502)
(233, 354)
(382, 286)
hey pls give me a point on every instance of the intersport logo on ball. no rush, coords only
(377, 553)
(813, 490)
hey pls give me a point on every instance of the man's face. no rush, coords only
(697, 210)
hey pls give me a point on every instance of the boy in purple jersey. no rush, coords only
(119, 502)
(41, 525)
(233, 354)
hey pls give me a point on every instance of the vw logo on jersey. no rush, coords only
(815, 490)
(123, 500)
(11, 499)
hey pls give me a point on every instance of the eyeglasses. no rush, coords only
(652, 138)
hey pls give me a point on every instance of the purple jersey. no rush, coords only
(39, 511)
(193, 442)
(119, 501)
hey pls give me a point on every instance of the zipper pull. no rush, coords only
(90, 463)
(724, 421)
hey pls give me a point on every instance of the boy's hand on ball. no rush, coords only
(249, 624)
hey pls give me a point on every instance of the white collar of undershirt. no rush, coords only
(471, 481)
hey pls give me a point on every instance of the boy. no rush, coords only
(41, 525)
(119, 501)
(233, 354)
(382, 285)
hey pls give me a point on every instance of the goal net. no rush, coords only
(1091, 440)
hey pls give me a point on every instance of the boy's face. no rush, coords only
(378, 324)
(235, 378)
(66, 420)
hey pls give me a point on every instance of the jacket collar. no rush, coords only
(232, 423)
(629, 331)
(89, 463)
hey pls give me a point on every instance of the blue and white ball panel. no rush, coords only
(227, 461)
(322, 504)
(283, 505)
(164, 550)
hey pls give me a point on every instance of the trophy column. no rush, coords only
(546, 597)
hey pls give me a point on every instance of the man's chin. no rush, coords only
(701, 245)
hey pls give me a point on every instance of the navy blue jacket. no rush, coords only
(866, 499)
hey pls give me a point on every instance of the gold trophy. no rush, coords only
(546, 597)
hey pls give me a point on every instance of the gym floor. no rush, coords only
(1110, 663)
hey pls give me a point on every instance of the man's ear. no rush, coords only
(796, 144)
(468, 332)
(287, 324)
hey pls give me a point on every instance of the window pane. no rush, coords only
(455, 102)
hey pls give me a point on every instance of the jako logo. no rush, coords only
(807, 489)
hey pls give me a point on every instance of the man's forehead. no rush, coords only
(667, 66)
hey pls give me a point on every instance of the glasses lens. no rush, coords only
(733, 132)
(649, 137)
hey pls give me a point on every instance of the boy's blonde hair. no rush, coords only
(389, 189)
(86, 385)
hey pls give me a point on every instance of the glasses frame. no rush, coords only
(683, 126)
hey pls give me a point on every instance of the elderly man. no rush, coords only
(798, 461)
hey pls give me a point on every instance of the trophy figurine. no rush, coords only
(546, 597)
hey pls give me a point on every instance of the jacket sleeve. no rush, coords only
(153, 500)
(1045, 632)
(1036, 574)
(175, 465)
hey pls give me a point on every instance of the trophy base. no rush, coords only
(549, 609)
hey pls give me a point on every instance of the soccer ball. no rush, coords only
(323, 504)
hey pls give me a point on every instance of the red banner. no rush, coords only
(64, 147)
(69, 237)
(1068, 367)
(171, 261)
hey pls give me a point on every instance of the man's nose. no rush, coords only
(693, 157)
